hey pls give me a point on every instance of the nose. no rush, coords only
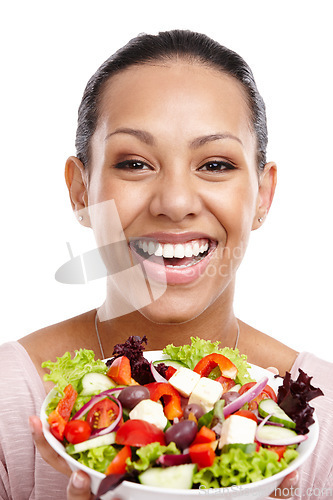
(176, 196)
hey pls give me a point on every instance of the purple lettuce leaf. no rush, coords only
(293, 398)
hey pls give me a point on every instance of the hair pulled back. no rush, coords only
(167, 46)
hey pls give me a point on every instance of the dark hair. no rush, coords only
(166, 46)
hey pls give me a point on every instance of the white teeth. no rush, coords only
(145, 246)
(196, 248)
(168, 251)
(179, 250)
(188, 250)
(159, 251)
(151, 247)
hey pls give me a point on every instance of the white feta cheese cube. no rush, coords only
(151, 412)
(237, 429)
(206, 392)
(184, 380)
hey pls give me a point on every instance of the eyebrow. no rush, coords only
(142, 135)
(149, 139)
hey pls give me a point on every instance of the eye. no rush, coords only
(216, 166)
(134, 165)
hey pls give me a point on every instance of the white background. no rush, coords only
(49, 50)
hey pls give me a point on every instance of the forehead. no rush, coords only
(175, 99)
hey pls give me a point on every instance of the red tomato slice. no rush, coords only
(118, 464)
(278, 449)
(266, 393)
(139, 433)
(102, 414)
(227, 383)
(245, 413)
(77, 431)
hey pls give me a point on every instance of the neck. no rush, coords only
(217, 322)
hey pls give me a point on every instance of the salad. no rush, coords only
(193, 420)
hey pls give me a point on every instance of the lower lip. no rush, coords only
(173, 275)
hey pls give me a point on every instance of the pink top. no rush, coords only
(25, 476)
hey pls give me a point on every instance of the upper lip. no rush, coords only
(166, 237)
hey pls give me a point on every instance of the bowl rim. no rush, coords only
(152, 355)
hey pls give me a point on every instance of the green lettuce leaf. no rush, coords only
(190, 355)
(149, 454)
(97, 458)
(66, 370)
(236, 467)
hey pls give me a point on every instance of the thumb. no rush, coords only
(79, 487)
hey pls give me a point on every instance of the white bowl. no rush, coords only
(134, 491)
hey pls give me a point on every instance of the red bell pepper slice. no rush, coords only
(202, 454)
(170, 371)
(59, 417)
(206, 365)
(118, 464)
(120, 371)
(204, 435)
(171, 398)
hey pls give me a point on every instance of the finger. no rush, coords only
(48, 454)
(273, 370)
(79, 487)
(288, 486)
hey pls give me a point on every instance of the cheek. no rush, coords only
(130, 198)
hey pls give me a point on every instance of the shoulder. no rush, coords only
(265, 351)
(53, 341)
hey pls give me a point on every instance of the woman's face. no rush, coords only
(175, 150)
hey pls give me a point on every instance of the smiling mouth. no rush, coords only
(175, 255)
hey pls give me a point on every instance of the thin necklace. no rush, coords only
(102, 350)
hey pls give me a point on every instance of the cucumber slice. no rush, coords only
(91, 443)
(177, 476)
(278, 436)
(95, 382)
(170, 362)
(268, 406)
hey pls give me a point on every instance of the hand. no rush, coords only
(47, 452)
(288, 486)
(79, 487)
(79, 484)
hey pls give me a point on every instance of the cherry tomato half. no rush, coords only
(77, 431)
(266, 393)
(102, 414)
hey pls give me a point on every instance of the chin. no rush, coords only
(161, 313)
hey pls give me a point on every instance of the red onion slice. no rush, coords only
(170, 460)
(277, 424)
(245, 398)
(157, 376)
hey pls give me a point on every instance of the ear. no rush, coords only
(267, 184)
(77, 183)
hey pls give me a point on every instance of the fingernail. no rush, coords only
(294, 478)
(78, 480)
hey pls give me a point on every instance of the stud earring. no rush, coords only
(80, 218)
(260, 219)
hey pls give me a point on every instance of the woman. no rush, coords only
(172, 140)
